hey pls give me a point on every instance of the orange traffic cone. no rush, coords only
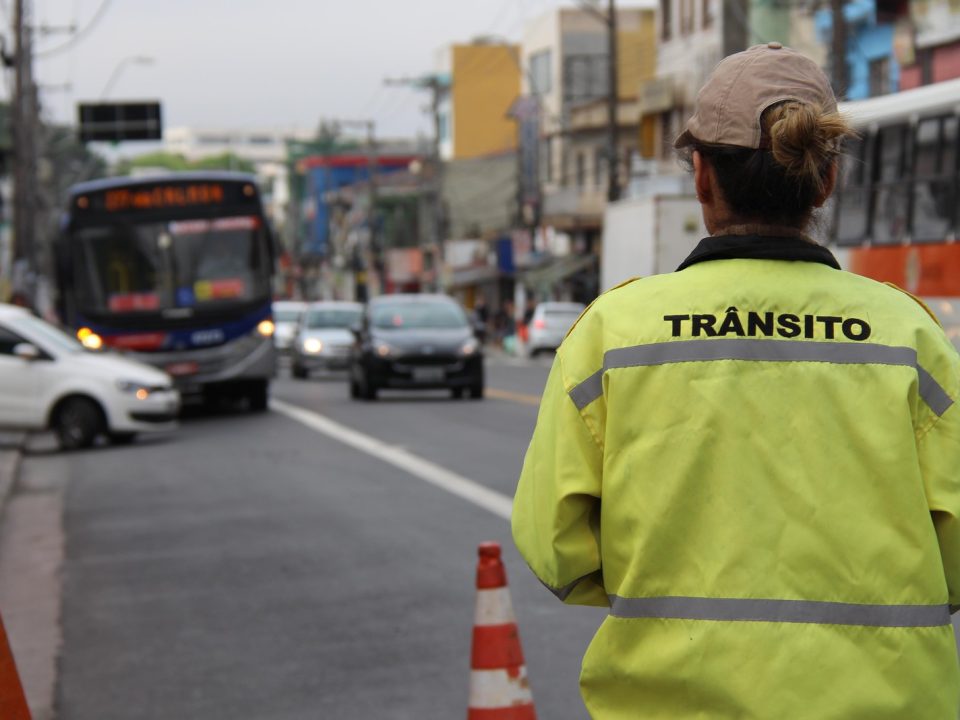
(499, 689)
(13, 703)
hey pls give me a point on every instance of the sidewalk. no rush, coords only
(31, 555)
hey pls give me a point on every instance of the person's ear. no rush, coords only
(701, 178)
(829, 184)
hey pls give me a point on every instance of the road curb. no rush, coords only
(11, 449)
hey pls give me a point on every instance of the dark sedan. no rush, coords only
(416, 342)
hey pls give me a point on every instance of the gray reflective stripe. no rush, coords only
(564, 592)
(588, 391)
(762, 350)
(780, 611)
(932, 394)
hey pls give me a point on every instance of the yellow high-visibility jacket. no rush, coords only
(755, 463)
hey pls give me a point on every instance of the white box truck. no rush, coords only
(648, 236)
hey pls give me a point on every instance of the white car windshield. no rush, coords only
(50, 338)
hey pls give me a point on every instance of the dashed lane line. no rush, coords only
(469, 490)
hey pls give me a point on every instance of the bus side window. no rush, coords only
(934, 179)
(854, 193)
(891, 193)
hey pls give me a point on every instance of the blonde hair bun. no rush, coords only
(803, 138)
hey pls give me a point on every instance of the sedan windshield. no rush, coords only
(332, 318)
(146, 267)
(418, 315)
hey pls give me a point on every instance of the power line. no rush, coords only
(80, 34)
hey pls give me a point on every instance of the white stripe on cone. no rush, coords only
(494, 607)
(491, 689)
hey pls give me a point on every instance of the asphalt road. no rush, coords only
(252, 567)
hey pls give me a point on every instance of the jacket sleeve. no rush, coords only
(556, 510)
(939, 451)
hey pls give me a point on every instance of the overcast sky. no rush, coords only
(261, 63)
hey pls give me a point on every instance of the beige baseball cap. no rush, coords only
(743, 85)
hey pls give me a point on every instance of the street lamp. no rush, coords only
(118, 70)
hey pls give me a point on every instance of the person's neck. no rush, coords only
(764, 229)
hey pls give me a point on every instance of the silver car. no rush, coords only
(324, 338)
(550, 323)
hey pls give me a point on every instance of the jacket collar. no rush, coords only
(759, 247)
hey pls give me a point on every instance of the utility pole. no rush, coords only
(613, 95)
(24, 126)
(613, 101)
(437, 86)
(839, 49)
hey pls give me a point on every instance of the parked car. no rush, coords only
(416, 342)
(286, 316)
(550, 323)
(324, 339)
(48, 380)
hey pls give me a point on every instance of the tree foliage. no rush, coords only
(178, 163)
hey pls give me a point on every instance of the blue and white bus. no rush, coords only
(175, 271)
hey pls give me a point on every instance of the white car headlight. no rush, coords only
(469, 347)
(312, 346)
(141, 390)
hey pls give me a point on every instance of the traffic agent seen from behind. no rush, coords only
(176, 271)
(416, 342)
(48, 380)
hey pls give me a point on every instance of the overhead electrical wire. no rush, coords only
(80, 34)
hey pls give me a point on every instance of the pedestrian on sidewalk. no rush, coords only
(754, 461)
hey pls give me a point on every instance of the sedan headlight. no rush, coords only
(141, 391)
(384, 349)
(469, 347)
(312, 346)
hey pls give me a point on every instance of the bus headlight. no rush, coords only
(266, 328)
(89, 339)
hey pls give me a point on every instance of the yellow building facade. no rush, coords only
(485, 82)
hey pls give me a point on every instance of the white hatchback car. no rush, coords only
(48, 380)
(550, 323)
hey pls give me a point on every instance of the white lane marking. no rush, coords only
(471, 491)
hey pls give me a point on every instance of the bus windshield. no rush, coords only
(156, 266)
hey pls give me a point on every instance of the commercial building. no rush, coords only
(482, 81)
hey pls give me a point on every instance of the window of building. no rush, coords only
(444, 126)
(599, 168)
(581, 169)
(709, 13)
(686, 17)
(666, 19)
(546, 152)
(541, 72)
(880, 77)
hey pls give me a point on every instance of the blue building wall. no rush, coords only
(321, 181)
(866, 41)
